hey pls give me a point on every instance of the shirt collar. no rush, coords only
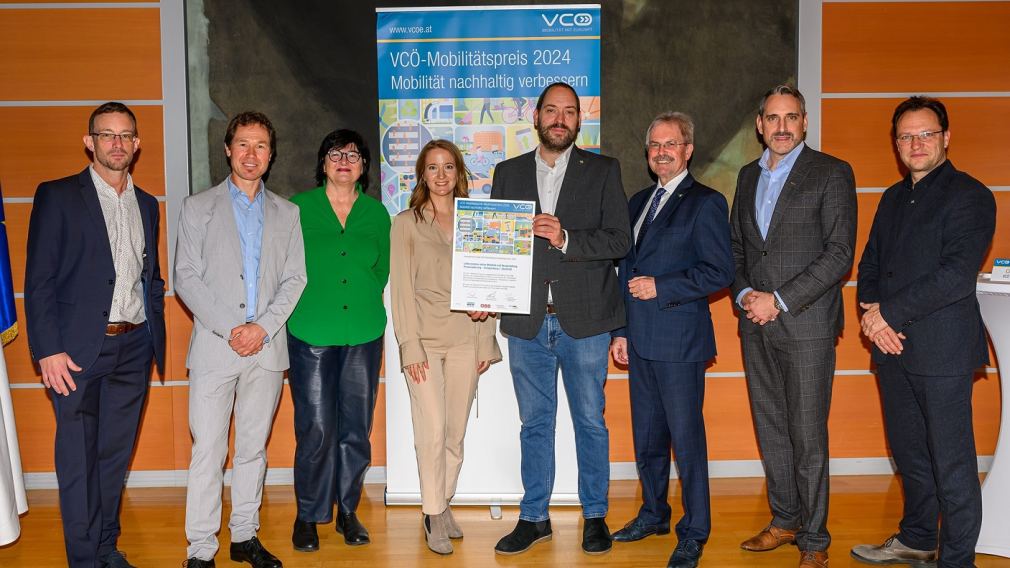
(673, 183)
(102, 185)
(559, 163)
(931, 178)
(787, 161)
(236, 193)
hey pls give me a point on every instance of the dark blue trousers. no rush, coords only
(96, 430)
(930, 432)
(666, 413)
(333, 389)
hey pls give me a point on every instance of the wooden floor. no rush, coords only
(863, 509)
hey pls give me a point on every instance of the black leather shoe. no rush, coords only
(355, 534)
(637, 529)
(304, 536)
(596, 537)
(252, 551)
(197, 563)
(116, 559)
(686, 555)
(524, 536)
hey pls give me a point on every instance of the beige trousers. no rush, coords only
(440, 408)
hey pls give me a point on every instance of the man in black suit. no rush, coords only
(681, 256)
(793, 232)
(94, 300)
(582, 225)
(917, 277)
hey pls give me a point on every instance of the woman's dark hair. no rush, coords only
(339, 139)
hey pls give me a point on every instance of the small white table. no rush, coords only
(994, 299)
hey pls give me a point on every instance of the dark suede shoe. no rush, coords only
(524, 536)
(596, 537)
(355, 534)
(686, 555)
(304, 536)
(252, 551)
(197, 563)
(116, 559)
(637, 529)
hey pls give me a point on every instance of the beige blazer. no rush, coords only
(209, 276)
(420, 276)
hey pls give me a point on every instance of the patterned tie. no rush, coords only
(653, 208)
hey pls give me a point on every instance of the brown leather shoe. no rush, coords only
(813, 559)
(770, 538)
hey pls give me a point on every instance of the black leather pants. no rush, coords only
(333, 389)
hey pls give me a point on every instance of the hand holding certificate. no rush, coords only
(492, 258)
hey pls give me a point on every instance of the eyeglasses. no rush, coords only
(669, 145)
(335, 155)
(108, 137)
(906, 139)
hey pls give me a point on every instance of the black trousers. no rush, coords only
(930, 432)
(789, 383)
(96, 430)
(333, 389)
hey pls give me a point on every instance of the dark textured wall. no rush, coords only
(310, 66)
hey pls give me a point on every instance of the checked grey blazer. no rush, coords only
(809, 247)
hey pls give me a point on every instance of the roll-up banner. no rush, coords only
(472, 75)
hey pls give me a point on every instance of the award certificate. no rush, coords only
(492, 255)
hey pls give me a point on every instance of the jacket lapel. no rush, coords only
(89, 194)
(573, 179)
(665, 214)
(270, 213)
(527, 190)
(791, 187)
(226, 212)
(748, 193)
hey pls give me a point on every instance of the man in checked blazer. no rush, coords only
(240, 268)
(681, 256)
(793, 232)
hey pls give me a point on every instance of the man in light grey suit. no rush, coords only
(240, 268)
(793, 230)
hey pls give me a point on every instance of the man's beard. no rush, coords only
(543, 133)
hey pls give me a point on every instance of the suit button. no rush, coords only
(344, 281)
(890, 275)
(241, 276)
(105, 314)
(764, 253)
(241, 305)
(345, 307)
(112, 281)
(634, 271)
(764, 283)
(343, 253)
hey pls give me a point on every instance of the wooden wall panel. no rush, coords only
(923, 46)
(45, 143)
(66, 54)
(859, 132)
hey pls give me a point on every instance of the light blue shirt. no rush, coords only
(769, 188)
(249, 219)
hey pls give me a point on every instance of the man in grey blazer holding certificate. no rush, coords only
(240, 268)
(582, 228)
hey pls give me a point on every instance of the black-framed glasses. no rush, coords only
(335, 155)
(906, 139)
(107, 137)
(669, 145)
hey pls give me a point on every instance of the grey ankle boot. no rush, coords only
(436, 534)
(452, 527)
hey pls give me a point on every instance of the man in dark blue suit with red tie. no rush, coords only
(94, 300)
(681, 256)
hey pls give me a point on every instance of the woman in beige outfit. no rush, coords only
(442, 352)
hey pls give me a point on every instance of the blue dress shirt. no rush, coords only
(249, 219)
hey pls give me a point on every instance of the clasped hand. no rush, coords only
(247, 339)
(759, 307)
(879, 331)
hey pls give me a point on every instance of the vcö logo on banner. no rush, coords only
(568, 20)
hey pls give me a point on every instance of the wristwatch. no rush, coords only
(778, 305)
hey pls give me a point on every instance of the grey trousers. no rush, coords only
(253, 393)
(789, 383)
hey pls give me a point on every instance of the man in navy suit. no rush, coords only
(681, 256)
(917, 276)
(94, 300)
